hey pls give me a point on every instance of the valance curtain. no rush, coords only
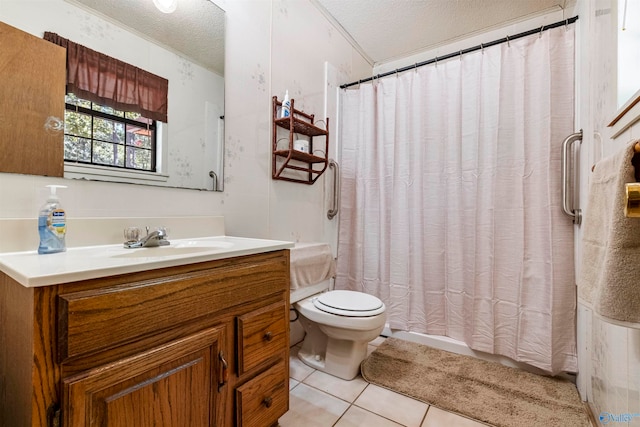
(108, 81)
(451, 206)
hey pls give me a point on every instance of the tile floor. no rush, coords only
(321, 400)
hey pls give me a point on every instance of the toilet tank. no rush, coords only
(312, 267)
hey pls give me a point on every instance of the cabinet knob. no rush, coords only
(268, 336)
(267, 402)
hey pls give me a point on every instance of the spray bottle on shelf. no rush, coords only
(52, 224)
(286, 106)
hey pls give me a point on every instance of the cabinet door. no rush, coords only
(32, 91)
(175, 385)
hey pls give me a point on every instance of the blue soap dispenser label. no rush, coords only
(57, 222)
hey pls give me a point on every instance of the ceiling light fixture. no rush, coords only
(166, 6)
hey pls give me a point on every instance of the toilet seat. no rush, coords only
(349, 303)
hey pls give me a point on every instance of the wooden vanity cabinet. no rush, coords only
(197, 345)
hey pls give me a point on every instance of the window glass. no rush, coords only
(101, 135)
(628, 52)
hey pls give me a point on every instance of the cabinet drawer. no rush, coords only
(262, 334)
(129, 311)
(264, 399)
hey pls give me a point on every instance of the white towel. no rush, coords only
(610, 275)
(310, 263)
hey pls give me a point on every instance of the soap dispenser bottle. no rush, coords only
(52, 224)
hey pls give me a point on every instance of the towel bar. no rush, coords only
(635, 161)
(632, 189)
(632, 196)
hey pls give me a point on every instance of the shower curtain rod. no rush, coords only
(463, 51)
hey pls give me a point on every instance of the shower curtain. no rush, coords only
(451, 208)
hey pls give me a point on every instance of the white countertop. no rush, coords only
(32, 269)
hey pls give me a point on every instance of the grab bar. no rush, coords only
(567, 145)
(336, 189)
(214, 175)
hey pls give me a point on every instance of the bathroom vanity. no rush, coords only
(197, 336)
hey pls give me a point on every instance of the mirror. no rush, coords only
(186, 47)
(628, 32)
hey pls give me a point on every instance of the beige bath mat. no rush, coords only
(485, 391)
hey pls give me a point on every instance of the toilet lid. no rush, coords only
(349, 303)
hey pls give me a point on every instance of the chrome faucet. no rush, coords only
(157, 237)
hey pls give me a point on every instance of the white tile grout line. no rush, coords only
(353, 402)
(350, 403)
(377, 415)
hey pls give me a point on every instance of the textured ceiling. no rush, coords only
(391, 29)
(195, 29)
(382, 30)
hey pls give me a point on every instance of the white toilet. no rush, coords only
(339, 325)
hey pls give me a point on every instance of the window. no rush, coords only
(98, 135)
(628, 54)
(115, 118)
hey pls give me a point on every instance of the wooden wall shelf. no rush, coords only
(292, 165)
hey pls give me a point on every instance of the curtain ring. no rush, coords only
(460, 55)
(566, 25)
(508, 42)
(436, 59)
(482, 48)
(416, 67)
(541, 28)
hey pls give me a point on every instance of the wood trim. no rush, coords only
(626, 116)
(16, 353)
(625, 108)
(45, 369)
(27, 354)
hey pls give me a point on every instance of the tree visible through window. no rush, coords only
(100, 135)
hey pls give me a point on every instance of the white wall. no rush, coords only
(609, 355)
(271, 46)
